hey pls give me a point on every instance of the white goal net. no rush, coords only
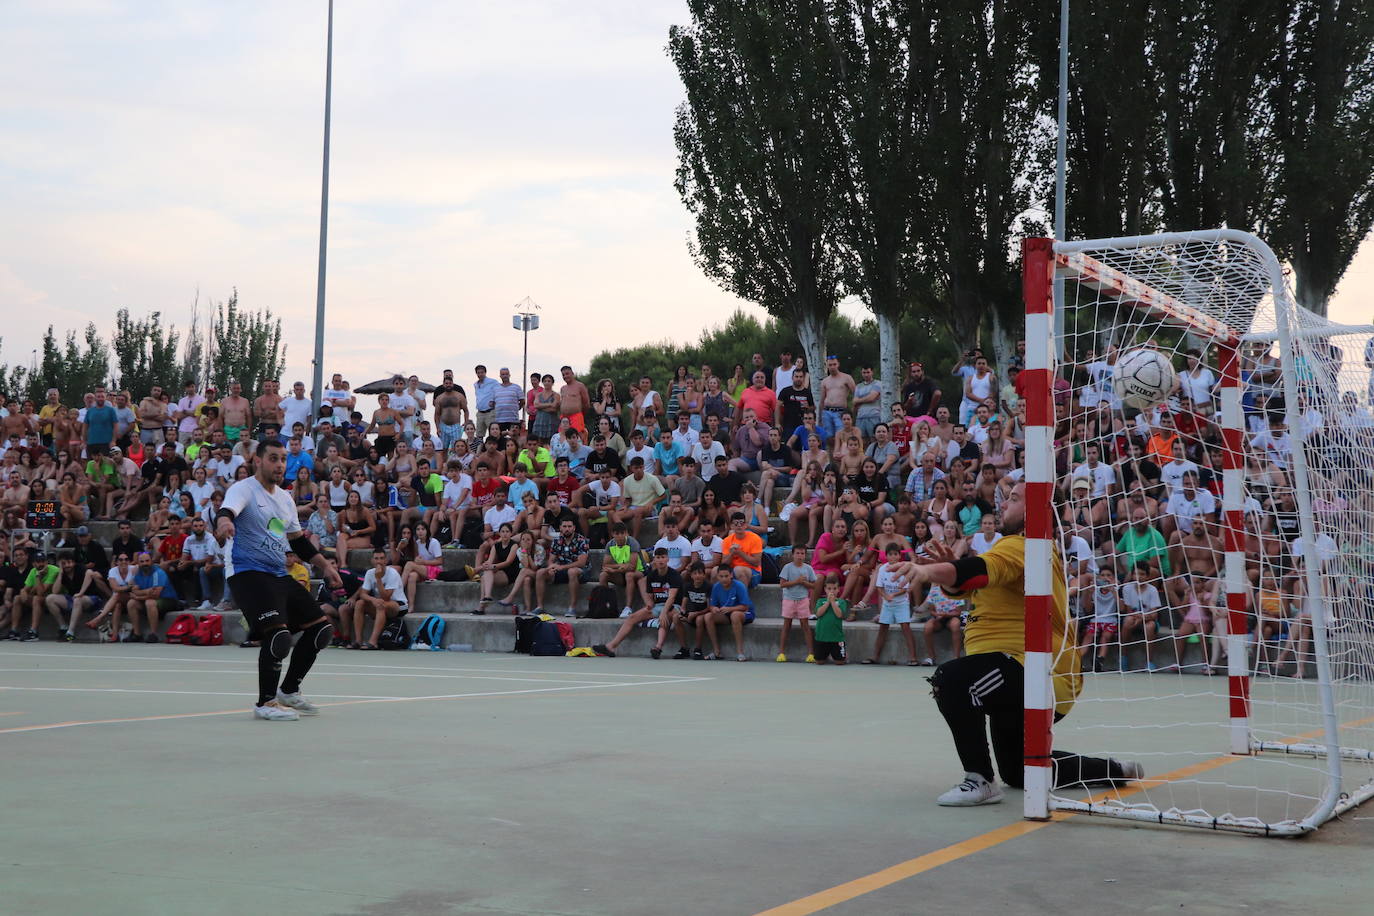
(1218, 538)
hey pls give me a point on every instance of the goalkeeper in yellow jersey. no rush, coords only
(987, 683)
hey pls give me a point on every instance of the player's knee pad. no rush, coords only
(278, 643)
(320, 635)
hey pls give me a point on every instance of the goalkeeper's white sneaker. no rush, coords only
(299, 703)
(275, 712)
(974, 790)
(1130, 769)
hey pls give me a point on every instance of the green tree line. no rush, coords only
(896, 150)
(231, 344)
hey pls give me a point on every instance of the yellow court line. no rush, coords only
(841, 893)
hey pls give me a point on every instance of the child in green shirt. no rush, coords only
(830, 612)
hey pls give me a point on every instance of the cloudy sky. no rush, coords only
(482, 152)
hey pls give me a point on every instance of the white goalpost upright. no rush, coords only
(1239, 525)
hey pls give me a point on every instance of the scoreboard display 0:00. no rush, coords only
(43, 514)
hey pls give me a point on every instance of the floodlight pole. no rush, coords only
(317, 380)
(1060, 155)
(525, 320)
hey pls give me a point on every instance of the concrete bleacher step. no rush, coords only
(496, 633)
(450, 597)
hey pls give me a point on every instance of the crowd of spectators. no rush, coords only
(727, 467)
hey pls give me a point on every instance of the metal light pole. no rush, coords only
(525, 320)
(317, 382)
(1060, 154)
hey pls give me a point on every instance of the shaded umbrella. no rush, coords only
(383, 386)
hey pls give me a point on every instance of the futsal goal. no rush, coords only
(1219, 560)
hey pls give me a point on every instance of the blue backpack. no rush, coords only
(430, 634)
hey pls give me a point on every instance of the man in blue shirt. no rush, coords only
(100, 424)
(730, 602)
(484, 391)
(152, 595)
(296, 458)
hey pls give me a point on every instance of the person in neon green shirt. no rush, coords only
(535, 458)
(624, 563)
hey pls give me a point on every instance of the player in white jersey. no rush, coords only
(256, 524)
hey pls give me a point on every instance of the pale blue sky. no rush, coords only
(482, 152)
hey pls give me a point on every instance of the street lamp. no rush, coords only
(525, 320)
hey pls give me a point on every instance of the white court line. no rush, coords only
(314, 673)
(325, 659)
(189, 693)
(238, 712)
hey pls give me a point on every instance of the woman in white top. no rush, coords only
(1197, 381)
(336, 488)
(986, 535)
(427, 564)
(366, 489)
(121, 579)
(200, 489)
(978, 387)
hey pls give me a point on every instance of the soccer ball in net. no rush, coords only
(1143, 378)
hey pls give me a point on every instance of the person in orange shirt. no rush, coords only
(1161, 447)
(742, 550)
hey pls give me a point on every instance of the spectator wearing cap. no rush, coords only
(106, 482)
(88, 554)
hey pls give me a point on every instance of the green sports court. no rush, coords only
(491, 783)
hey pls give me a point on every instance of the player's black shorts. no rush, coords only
(266, 599)
(833, 651)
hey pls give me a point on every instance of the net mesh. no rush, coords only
(1140, 495)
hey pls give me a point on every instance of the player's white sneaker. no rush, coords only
(974, 790)
(299, 703)
(275, 712)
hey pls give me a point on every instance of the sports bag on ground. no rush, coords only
(209, 632)
(182, 627)
(430, 634)
(394, 635)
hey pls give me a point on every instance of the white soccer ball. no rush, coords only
(1143, 377)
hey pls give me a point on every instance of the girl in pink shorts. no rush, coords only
(796, 580)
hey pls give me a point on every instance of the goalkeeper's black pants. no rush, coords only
(981, 693)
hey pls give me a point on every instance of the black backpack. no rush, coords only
(525, 627)
(394, 635)
(601, 603)
(547, 640)
(471, 535)
(769, 570)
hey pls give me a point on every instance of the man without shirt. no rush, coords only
(267, 407)
(152, 416)
(836, 389)
(574, 400)
(450, 409)
(236, 413)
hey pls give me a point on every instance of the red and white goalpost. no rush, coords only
(1282, 587)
